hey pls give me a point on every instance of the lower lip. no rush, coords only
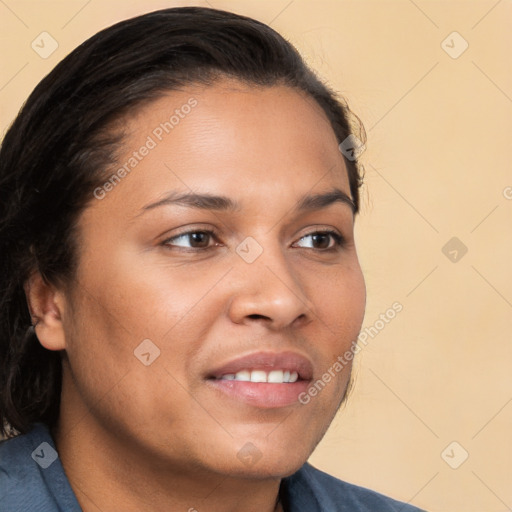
(261, 394)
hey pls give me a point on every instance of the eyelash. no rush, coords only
(339, 240)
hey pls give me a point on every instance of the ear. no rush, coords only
(46, 306)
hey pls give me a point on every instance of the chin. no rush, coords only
(254, 464)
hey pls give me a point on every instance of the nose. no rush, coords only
(269, 291)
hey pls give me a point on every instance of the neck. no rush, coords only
(107, 473)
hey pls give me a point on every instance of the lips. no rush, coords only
(267, 362)
(265, 380)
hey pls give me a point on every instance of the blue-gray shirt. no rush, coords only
(32, 479)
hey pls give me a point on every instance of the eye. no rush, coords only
(191, 240)
(199, 240)
(321, 240)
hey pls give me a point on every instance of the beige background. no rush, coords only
(437, 166)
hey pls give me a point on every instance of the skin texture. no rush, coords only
(133, 437)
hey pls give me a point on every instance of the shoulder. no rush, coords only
(31, 476)
(318, 491)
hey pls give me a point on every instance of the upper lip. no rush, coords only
(291, 361)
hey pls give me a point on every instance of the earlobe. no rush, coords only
(46, 306)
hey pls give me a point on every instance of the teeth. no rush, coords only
(273, 376)
(244, 375)
(276, 376)
(258, 376)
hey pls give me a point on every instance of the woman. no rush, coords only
(179, 273)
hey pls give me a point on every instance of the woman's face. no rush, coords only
(164, 314)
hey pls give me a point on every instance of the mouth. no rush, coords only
(272, 376)
(264, 379)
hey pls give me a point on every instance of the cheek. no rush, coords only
(144, 296)
(123, 307)
(122, 371)
(340, 298)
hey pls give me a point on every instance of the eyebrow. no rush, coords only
(308, 202)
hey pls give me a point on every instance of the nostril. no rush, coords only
(257, 317)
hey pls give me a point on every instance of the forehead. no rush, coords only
(230, 139)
